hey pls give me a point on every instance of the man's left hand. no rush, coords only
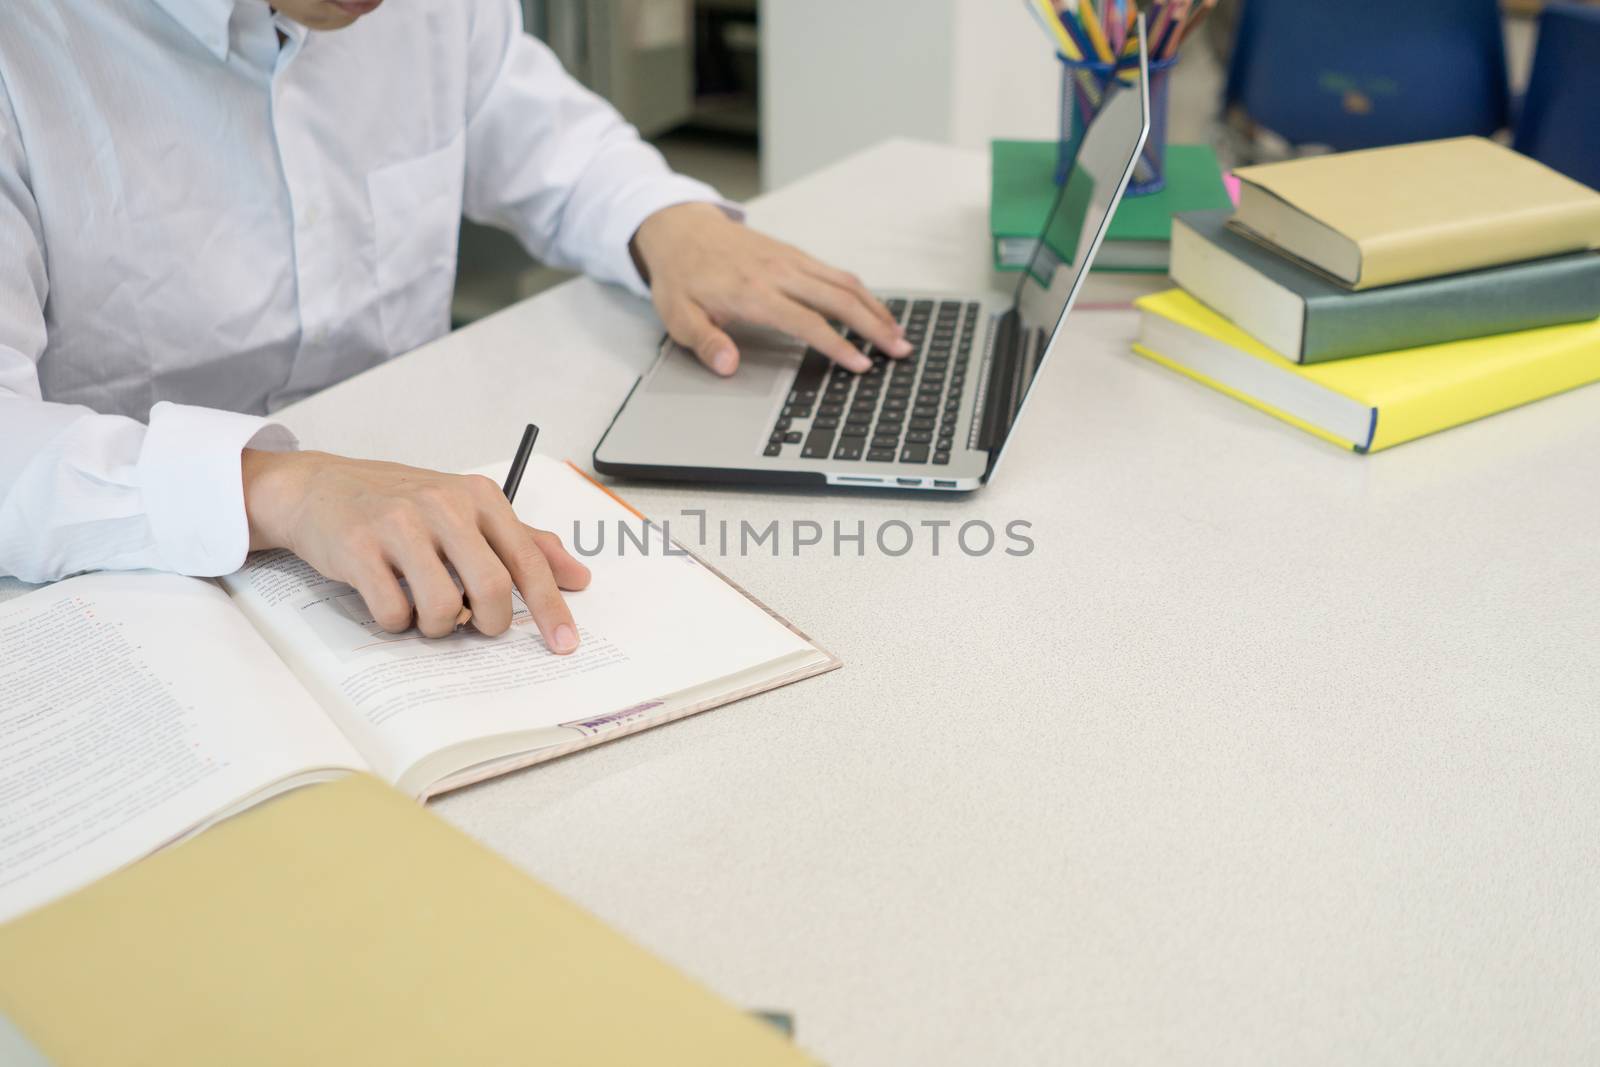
(706, 271)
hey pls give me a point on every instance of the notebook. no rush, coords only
(1023, 189)
(141, 707)
(1304, 317)
(1386, 215)
(1371, 402)
(342, 925)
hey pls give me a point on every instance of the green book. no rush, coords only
(1023, 188)
(1304, 317)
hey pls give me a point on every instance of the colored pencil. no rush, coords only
(1052, 24)
(1090, 20)
(1197, 16)
(1081, 32)
(1168, 38)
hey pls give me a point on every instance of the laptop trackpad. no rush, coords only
(766, 365)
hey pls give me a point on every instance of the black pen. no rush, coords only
(519, 463)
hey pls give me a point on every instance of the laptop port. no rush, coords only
(941, 483)
(909, 481)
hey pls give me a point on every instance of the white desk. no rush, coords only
(1268, 753)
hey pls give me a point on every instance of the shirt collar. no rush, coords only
(294, 31)
(207, 20)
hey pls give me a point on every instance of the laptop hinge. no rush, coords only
(999, 400)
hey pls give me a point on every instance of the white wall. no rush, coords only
(840, 75)
(1008, 78)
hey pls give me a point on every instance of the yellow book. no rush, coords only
(1369, 402)
(1387, 215)
(342, 925)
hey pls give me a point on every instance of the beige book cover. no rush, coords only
(343, 924)
(1386, 215)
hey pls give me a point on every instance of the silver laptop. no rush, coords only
(938, 419)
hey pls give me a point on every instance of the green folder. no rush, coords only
(1023, 188)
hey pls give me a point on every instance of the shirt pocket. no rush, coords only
(416, 223)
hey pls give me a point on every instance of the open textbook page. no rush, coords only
(134, 709)
(662, 636)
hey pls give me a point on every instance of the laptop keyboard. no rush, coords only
(901, 410)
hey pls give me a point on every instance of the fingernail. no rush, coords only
(722, 361)
(901, 347)
(565, 639)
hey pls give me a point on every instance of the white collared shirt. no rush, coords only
(201, 223)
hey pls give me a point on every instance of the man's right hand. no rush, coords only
(370, 524)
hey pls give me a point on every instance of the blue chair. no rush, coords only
(1362, 73)
(1560, 120)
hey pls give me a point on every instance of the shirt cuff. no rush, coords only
(628, 213)
(193, 487)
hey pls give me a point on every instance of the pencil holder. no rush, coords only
(1084, 88)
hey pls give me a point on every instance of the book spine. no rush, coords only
(1543, 293)
(1140, 348)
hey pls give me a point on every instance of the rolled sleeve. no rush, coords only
(85, 491)
(189, 471)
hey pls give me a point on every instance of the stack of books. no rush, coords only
(1375, 297)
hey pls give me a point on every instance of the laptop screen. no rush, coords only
(1104, 160)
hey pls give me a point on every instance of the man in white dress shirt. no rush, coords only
(212, 208)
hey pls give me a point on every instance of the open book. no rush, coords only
(136, 708)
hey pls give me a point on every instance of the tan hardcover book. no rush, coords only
(137, 708)
(1388, 215)
(343, 925)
